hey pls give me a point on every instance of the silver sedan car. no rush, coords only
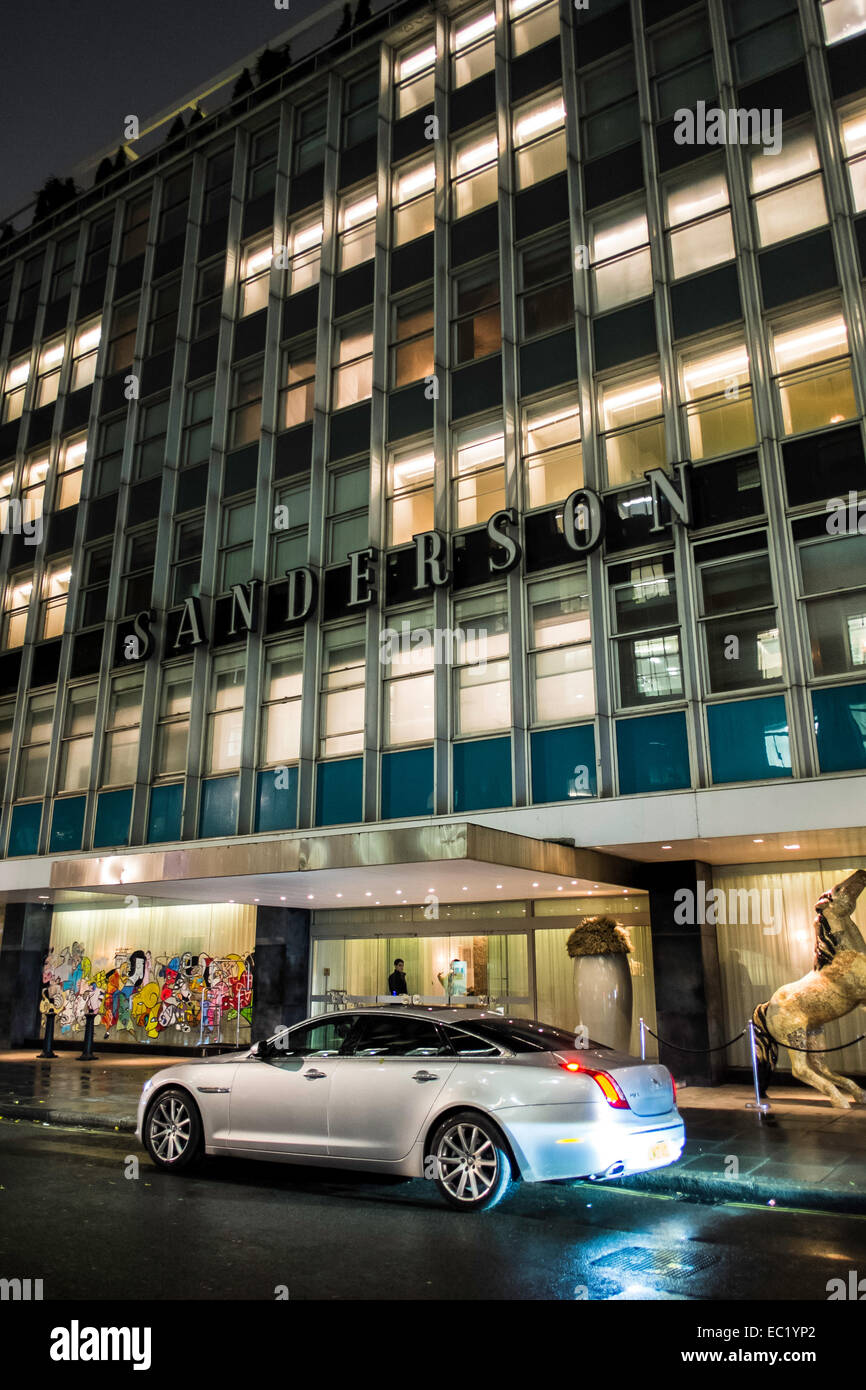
(466, 1097)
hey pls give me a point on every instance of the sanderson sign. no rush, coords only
(583, 526)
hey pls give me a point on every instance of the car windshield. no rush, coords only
(523, 1034)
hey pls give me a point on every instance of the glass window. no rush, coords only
(174, 205)
(415, 77)
(305, 247)
(357, 227)
(218, 186)
(55, 594)
(297, 395)
(291, 523)
(36, 743)
(546, 292)
(833, 595)
(412, 340)
(853, 129)
(236, 547)
(16, 607)
(33, 485)
(477, 323)
(360, 108)
(64, 267)
(413, 200)
(742, 646)
(162, 328)
(225, 712)
(84, 353)
(353, 362)
(121, 342)
(150, 448)
(410, 493)
(195, 446)
(348, 526)
(256, 257)
(621, 265)
(561, 651)
(797, 203)
(93, 600)
(7, 720)
(262, 169)
(281, 707)
(472, 46)
(552, 451)
(70, 469)
(122, 729)
(309, 144)
(478, 487)
(186, 566)
(112, 434)
(138, 571)
(341, 703)
(539, 140)
(76, 749)
(700, 234)
(482, 683)
(814, 374)
(843, 19)
(532, 24)
(610, 107)
(245, 420)
(14, 388)
(172, 737)
(634, 430)
(720, 412)
(407, 657)
(207, 307)
(474, 172)
(135, 228)
(48, 372)
(643, 604)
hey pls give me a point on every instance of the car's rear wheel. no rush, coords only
(172, 1130)
(473, 1168)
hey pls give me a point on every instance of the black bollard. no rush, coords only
(48, 1040)
(88, 1055)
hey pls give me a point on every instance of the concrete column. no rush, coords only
(281, 969)
(25, 941)
(686, 971)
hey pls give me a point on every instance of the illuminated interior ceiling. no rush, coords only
(456, 863)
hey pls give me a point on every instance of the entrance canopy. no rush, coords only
(455, 862)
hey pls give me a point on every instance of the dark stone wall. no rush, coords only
(25, 943)
(687, 976)
(282, 968)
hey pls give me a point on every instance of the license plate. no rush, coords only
(663, 1149)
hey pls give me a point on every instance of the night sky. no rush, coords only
(70, 72)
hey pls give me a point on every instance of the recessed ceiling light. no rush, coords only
(431, 890)
(466, 888)
(339, 895)
(790, 846)
(535, 885)
(499, 885)
(309, 897)
(757, 842)
(377, 902)
(667, 846)
(368, 895)
(283, 899)
(574, 883)
(255, 900)
(559, 889)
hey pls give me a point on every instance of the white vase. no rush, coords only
(602, 998)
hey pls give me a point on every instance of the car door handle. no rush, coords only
(314, 1075)
(425, 1076)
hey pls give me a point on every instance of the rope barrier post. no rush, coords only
(757, 1104)
(642, 1040)
(87, 1054)
(48, 1041)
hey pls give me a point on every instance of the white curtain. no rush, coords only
(554, 980)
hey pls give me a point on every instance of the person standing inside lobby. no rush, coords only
(397, 979)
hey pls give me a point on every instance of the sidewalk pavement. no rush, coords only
(803, 1153)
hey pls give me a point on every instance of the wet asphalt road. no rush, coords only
(241, 1229)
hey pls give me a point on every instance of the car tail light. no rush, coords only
(606, 1084)
(674, 1084)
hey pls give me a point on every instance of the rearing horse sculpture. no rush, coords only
(797, 1013)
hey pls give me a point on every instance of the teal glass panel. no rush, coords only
(67, 824)
(563, 763)
(653, 753)
(407, 783)
(749, 740)
(482, 774)
(166, 807)
(218, 814)
(24, 831)
(113, 811)
(840, 727)
(339, 792)
(277, 799)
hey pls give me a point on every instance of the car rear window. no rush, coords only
(520, 1034)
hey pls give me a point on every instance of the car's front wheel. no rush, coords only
(472, 1165)
(172, 1130)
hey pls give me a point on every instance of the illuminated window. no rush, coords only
(482, 680)
(621, 265)
(843, 19)
(552, 451)
(561, 650)
(720, 411)
(36, 743)
(7, 480)
(532, 24)
(853, 128)
(408, 715)
(353, 364)
(48, 372)
(813, 374)
(84, 353)
(14, 387)
(472, 46)
(305, 246)
(357, 225)
(474, 173)
(631, 418)
(412, 340)
(245, 422)
(796, 204)
(539, 140)
(33, 485)
(7, 720)
(410, 493)
(291, 525)
(55, 595)
(413, 198)
(19, 589)
(833, 594)
(225, 712)
(415, 77)
(297, 395)
(477, 324)
(76, 748)
(700, 234)
(280, 738)
(341, 698)
(478, 487)
(172, 736)
(70, 470)
(256, 257)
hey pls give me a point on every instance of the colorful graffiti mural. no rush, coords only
(138, 998)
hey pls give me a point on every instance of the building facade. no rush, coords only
(459, 432)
